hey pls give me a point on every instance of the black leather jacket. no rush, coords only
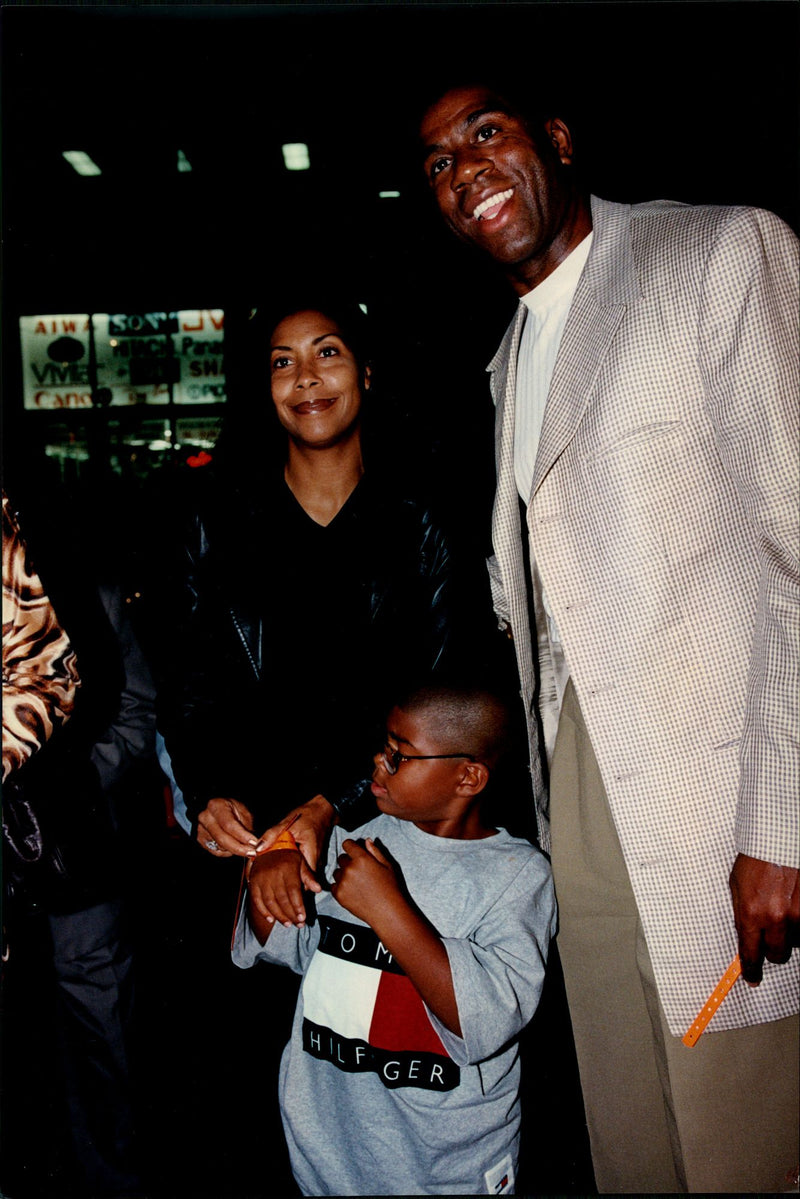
(222, 708)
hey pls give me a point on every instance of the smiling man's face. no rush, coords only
(498, 186)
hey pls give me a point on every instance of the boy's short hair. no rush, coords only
(473, 719)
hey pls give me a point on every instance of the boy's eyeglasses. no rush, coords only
(393, 759)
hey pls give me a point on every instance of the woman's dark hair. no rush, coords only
(346, 312)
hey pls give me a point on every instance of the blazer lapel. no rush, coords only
(606, 287)
(506, 531)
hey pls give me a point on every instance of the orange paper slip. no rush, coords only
(713, 1002)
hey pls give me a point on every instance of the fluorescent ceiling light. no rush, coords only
(295, 156)
(389, 195)
(81, 162)
(183, 162)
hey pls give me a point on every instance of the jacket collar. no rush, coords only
(609, 274)
(607, 285)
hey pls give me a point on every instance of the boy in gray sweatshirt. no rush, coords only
(424, 963)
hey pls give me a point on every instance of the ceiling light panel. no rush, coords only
(80, 161)
(295, 156)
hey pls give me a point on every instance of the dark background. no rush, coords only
(690, 101)
(693, 101)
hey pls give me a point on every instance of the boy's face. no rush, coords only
(425, 792)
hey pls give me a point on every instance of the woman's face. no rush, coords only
(315, 380)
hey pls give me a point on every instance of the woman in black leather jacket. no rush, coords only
(314, 587)
(311, 595)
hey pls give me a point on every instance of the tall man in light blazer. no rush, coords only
(646, 564)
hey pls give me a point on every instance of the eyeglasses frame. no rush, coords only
(398, 757)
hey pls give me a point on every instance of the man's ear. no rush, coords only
(367, 377)
(561, 138)
(474, 778)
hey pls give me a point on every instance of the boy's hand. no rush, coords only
(364, 881)
(366, 884)
(310, 825)
(275, 882)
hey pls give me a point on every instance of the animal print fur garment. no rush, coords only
(40, 675)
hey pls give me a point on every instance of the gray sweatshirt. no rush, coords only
(377, 1096)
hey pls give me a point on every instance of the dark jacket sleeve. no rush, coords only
(198, 670)
(130, 735)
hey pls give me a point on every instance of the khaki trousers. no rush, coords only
(662, 1118)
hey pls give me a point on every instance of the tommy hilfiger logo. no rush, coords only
(395, 1068)
(361, 1013)
(354, 943)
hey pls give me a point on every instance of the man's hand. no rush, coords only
(766, 909)
(225, 829)
(364, 881)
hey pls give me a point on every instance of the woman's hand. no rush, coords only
(225, 829)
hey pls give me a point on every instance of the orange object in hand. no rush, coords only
(285, 840)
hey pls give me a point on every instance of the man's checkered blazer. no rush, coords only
(663, 523)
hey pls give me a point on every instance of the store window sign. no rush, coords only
(138, 358)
